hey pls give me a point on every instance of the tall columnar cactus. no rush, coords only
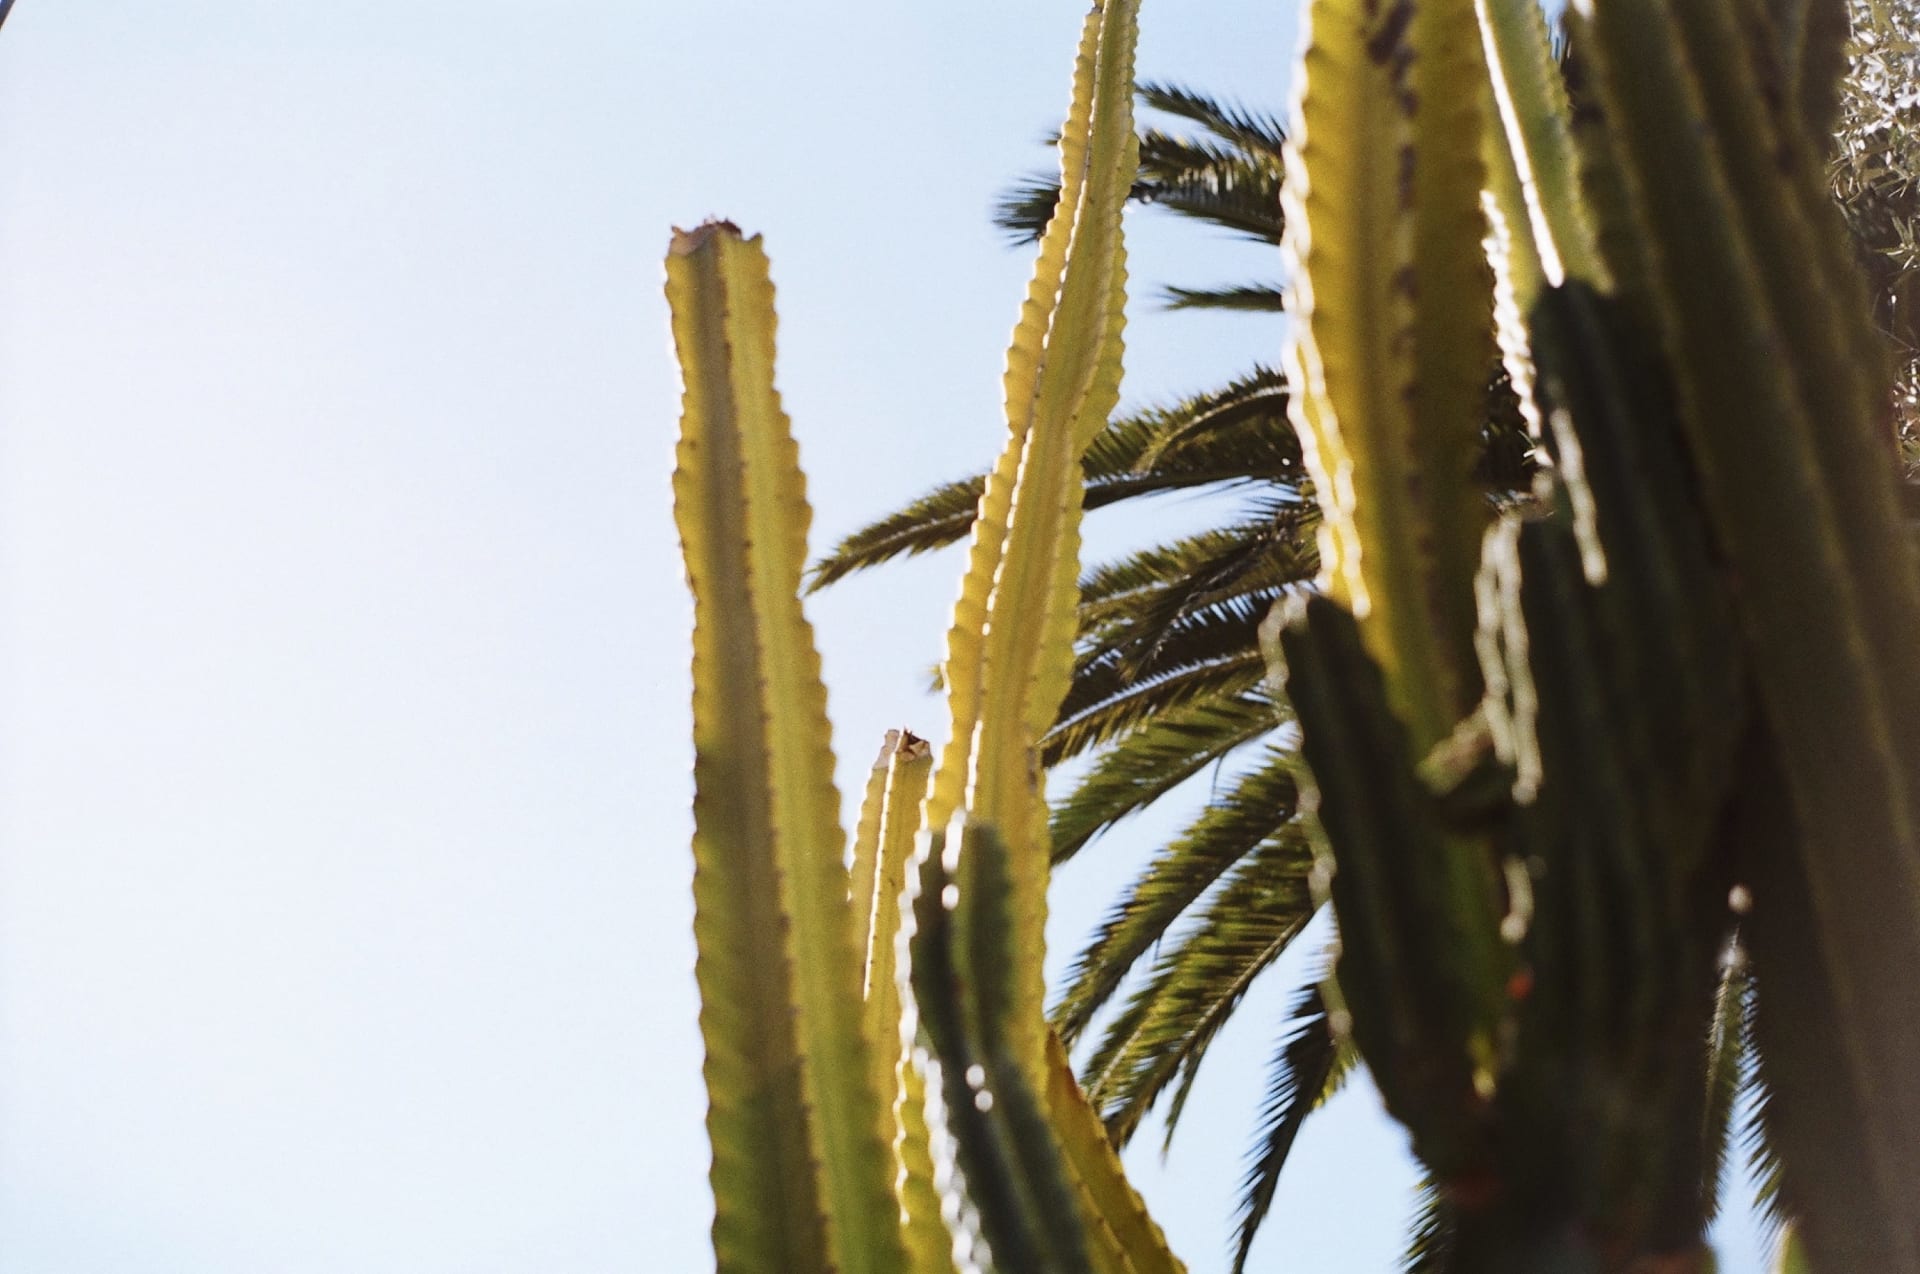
(1700, 648)
(885, 1093)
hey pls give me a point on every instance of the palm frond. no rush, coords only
(1726, 1076)
(1756, 1137)
(1151, 761)
(1308, 1067)
(1430, 1237)
(1128, 649)
(1244, 566)
(1235, 434)
(1230, 178)
(1255, 298)
(1240, 428)
(1260, 805)
(941, 517)
(1208, 182)
(1237, 668)
(1162, 1034)
(1256, 132)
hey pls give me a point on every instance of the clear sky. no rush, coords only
(344, 763)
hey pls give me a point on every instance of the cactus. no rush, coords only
(884, 1091)
(1700, 646)
(1543, 756)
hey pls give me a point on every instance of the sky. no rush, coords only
(344, 739)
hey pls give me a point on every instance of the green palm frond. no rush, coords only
(1258, 808)
(1256, 132)
(1230, 176)
(1310, 1065)
(1727, 1075)
(1215, 654)
(1430, 1237)
(1756, 1138)
(1235, 434)
(941, 517)
(1125, 650)
(1254, 298)
(1161, 1036)
(1156, 758)
(1248, 565)
(1241, 428)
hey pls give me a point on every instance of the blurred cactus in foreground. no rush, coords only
(1696, 760)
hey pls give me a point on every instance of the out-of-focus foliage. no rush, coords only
(1876, 179)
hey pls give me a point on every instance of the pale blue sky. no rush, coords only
(344, 917)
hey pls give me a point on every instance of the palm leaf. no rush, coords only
(1257, 298)
(1257, 809)
(1237, 669)
(1726, 1076)
(1151, 761)
(1133, 650)
(1256, 132)
(1162, 1035)
(1237, 433)
(1231, 179)
(1248, 565)
(1309, 1066)
(1430, 1237)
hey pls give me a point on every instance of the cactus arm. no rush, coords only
(800, 1170)
(863, 856)
(883, 851)
(1422, 968)
(1825, 28)
(1009, 652)
(962, 962)
(1096, 1169)
(1534, 115)
(1774, 423)
(1391, 339)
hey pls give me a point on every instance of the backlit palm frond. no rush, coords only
(1156, 758)
(1214, 652)
(1250, 298)
(1256, 132)
(1236, 434)
(1230, 178)
(1727, 1077)
(1128, 648)
(1161, 1036)
(1309, 1066)
(1259, 806)
(941, 517)
(1430, 1237)
(1215, 183)
(1248, 564)
(1241, 427)
(1755, 1106)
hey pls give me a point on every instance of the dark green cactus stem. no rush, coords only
(1763, 321)
(1422, 967)
(1003, 1142)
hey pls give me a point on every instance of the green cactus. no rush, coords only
(1601, 792)
(1700, 649)
(834, 1147)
